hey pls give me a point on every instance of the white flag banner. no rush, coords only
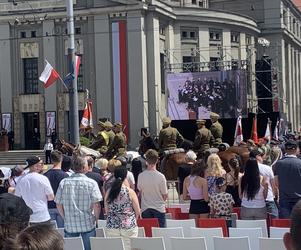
(238, 136)
(7, 121)
(50, 122)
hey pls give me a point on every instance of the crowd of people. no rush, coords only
(211, 94)
(77, 191)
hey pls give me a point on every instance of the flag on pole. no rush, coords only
(77, 65)
(87, 121)
(238, 136)
(276, 131)
(254, 135)
(268, 132)
(49, 75)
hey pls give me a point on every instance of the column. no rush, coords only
(153, 72)
(243, 47)
(289, 85)
(226, 45)
(282, 84)
(137, 76)
(103, 69)
(204, 45)
(50, 97)
(176, 53)
(170, 41)
(5, 70)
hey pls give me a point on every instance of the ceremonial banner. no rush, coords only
(119, 66)
(87, 119)
(7, 121)
(49, 75)
(50, 122)
(238, 136)
(195, 95)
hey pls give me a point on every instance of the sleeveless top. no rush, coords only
(121, 214)
(195, 193)
(257, 202)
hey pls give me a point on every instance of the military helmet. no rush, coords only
(166, 120)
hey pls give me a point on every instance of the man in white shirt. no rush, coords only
(48, 147)
(153, 189)
(35, 189)
(267, 172)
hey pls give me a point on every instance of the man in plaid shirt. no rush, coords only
(77, 200)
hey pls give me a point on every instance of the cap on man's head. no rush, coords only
(32, 161)
(5, 173)
(108, 124)
(256, 152)
(13, 209)
(166, 120)
(214, 115)
(201, 122)
(118, 125)
(291, 145)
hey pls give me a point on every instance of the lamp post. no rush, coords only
(73, 96)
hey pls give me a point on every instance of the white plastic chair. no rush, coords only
(192, 243)
(166, 233)
(74, 243)
(252, 233)
(141, 232)
(114, 243)
(147, 243)
(278, 232)
(185, 224)
(271, 244)
(100, 232)
(208, 234)
(241, 243)
(253, 224)
(102, 223)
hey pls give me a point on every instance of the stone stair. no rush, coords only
(18, 157)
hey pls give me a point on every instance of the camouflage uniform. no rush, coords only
(216, 130)
(118, 146)
(203, 138)
(169, 136)
(108, 128)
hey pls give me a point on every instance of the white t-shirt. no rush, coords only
(34, 188)
(267, 172)
(152, 185)
(130, 178)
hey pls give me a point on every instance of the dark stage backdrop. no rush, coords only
(188, 128)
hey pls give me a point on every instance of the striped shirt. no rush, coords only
(77, 193)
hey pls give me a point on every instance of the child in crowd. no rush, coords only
(221, 203)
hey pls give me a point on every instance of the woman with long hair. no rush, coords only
(213, 171)
(122, 208)
(253, 190)
(232, 180)
(195, 188)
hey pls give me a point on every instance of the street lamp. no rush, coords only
(73, 96)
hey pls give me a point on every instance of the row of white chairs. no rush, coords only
(177, 243)
(253, 234)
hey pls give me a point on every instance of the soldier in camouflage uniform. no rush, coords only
(101, 141)
(203, 138)
(118, 146)
(216, 129)
(169, 137)
(108, 128)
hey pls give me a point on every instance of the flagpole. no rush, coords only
(73, 95)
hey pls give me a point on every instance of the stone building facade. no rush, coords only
(125, 47)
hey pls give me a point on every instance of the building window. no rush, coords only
(215, 35)
(184, 34)
(31, 75)
(23, 34)
(248, 40)
(162, 31)
(78, 31)
(189, 34)
(193, 1)
(33, 33)
(234, 37)
(80, 77)
(201, 4)
(192, 34)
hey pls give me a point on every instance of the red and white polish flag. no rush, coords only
(87, 120)
(49, 75)
(238, 137)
